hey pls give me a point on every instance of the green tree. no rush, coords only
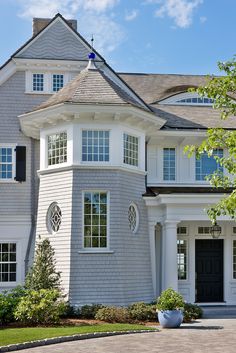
(43, 274)
(222, 89)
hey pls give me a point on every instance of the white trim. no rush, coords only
(173, 100)
(13, 147)
(137, 217)
(97, 250)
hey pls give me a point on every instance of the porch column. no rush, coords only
(170, 271)
(152, 242)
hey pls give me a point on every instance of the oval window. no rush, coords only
(54, 216)
(133, 217)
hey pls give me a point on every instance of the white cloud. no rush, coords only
(68, 8)
(181, 11)
(107, 33)
(130, 16)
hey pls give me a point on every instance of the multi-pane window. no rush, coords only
(95, 146)
(7, 262)
(182, 259)
(57, 82)
(38, 82)
(234, 259)
(204, 230)
(54, 217)
(169, 164)
(182, 231)
(57, 148)
(133, 218)
(95, 220)
(130, 150)
(208, 165)
(196, 100)
(6, 163)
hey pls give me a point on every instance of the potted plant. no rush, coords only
(170, 306)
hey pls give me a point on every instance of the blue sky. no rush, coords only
(158, 36)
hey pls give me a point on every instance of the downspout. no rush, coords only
(32, 205)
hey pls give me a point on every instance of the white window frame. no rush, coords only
(47, 150)
(173, 100)
(109, 146)
(137, 218)
(123, 150)
(195, 166)
(97, 250)
(179, 237)
(13, 147)
(48, 80)
(12, 283)
(169, 181)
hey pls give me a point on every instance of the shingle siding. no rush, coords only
(56, 42)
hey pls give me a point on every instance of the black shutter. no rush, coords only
(20, 163)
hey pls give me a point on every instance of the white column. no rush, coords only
(170, 270)
(152, 242)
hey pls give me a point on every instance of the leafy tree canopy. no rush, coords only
(223, 90)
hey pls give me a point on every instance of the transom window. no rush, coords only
(6, 163)
(57, 82)
(95, 146)
(208, 165)
(95, 219)
(169, 164)
(182, 231)
(133, 218)
(196, 100)
(38, 82)
(57, 148)
(54, 217)
(8, 262)
(204, 230)
(131, 146)
(182, 259)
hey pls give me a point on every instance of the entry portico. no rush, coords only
(184, 255)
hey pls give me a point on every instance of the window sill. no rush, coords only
(91, 251)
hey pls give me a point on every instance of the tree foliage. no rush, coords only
(43, 274)
(223, 90)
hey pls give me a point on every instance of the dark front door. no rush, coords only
(209, 270)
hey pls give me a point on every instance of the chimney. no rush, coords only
(41, 23)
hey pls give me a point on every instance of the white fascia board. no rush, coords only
(58, 19)
(182, 133)
(7, 71)
(52, 115)
(183, 199)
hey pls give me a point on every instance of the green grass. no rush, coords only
(20, 335)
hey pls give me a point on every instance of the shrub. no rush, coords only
(89, 311)
(192, 312)
(142, 312)
(8, 303)
(170, 300)
(113, 314)
(40, 307)
(43, 274)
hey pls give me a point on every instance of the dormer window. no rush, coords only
(57, 82)
(188, 98)
(38, 82)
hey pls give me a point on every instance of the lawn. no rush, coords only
(20, 335)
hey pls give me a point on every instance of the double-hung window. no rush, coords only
(8, 262)
(208, 165)
(95, 219)
(169, 164)
(57, 82)
(38, 82)
(95, 146)
(130, 150)
(6, 163)
(57, 148)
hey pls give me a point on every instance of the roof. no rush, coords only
(153, 88)
(153, 191)
(92, 86)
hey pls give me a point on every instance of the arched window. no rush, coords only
(188, 98)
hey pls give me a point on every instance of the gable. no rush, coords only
(57, 41)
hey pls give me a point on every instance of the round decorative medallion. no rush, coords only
(133, 218)
(54, 216)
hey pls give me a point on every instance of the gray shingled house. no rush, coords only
(93, 160)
